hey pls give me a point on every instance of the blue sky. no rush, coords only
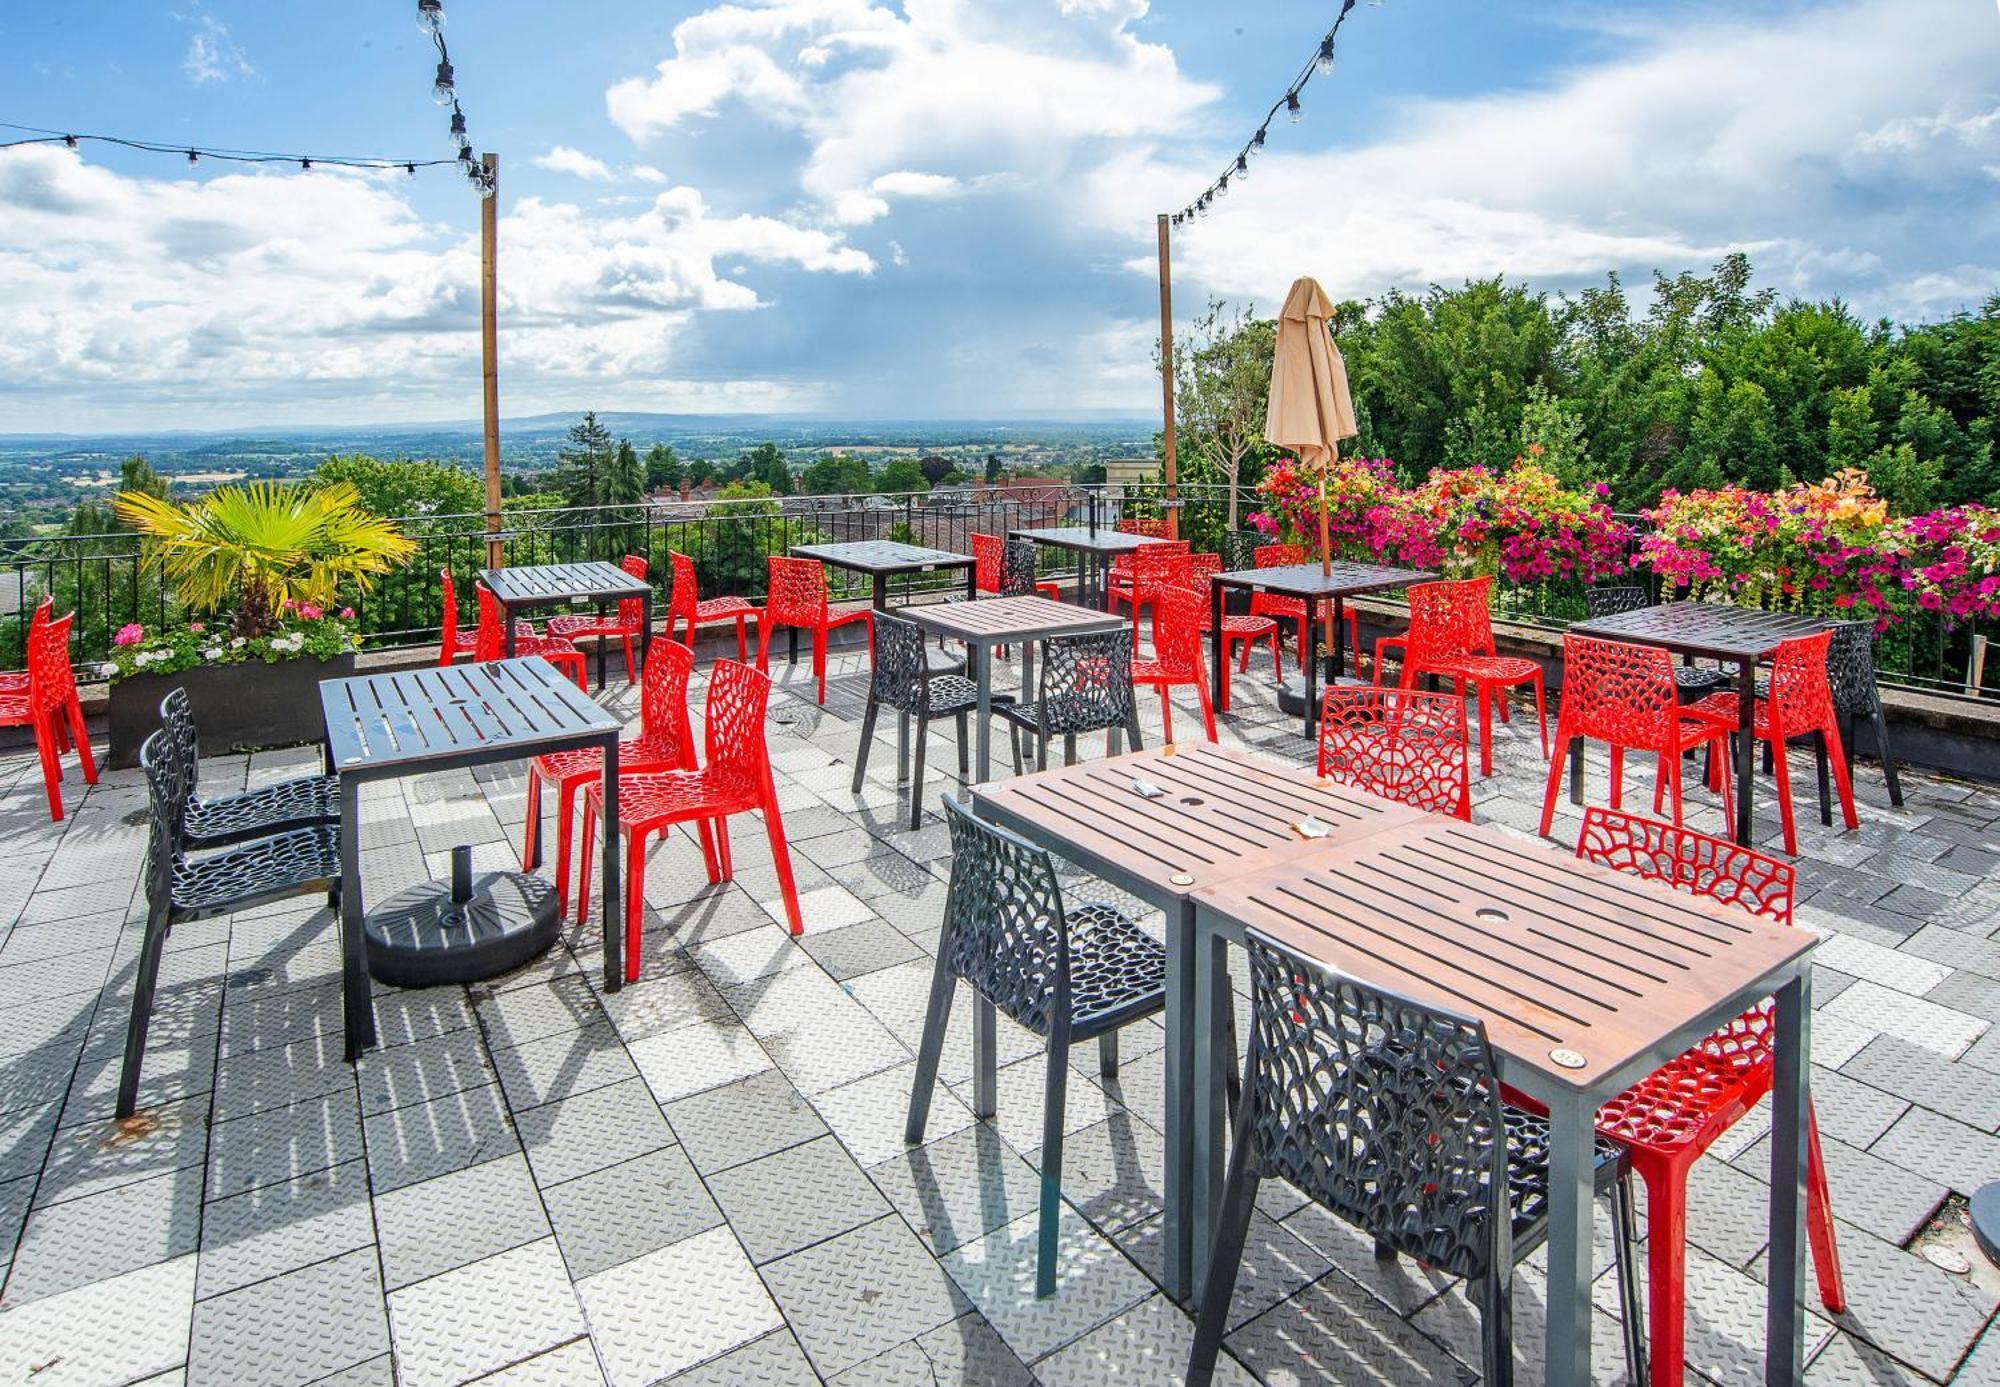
(933, 208)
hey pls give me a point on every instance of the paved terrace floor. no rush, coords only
(702, 1179)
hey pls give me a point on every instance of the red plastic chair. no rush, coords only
(626, 625)
(1293, 609)
(491, 643)
(1167, 564)
(1451, 636)
(989, 563)
(1402, 744)
(736, 780)
(1118, 587)
(1236, 630)
(453, 642)
(16, 680)
(665, 743)
(797, 597)
(1670, 1117)
(1800, 703)
(50, 706)
(1625, 695)
(686, 609)
(1176, 653)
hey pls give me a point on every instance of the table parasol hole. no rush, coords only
(1192, 800)
(1490, 912)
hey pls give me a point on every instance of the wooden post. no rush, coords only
(1167, 379)
(489, 354)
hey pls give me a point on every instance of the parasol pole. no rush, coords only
(489, 356)
(1325, 542)
(1172, 470)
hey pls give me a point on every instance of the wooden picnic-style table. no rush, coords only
(991, 622)
(413, 722)
(558, 585)
(1742, 636)
(1306, 582)
(1095, 548)
(1221, 813)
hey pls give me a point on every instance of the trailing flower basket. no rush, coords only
(239, 707)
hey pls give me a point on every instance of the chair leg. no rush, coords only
(1496, 1329)
(1207, 709)
(529, 825)
(88, 761)
(917, 773)
(1843, 783)
(1819, 1223)
(964, 747)
(1618, 780)
(1485, 694)
(1625, 1249)
(1820, 779)
(936, 1017)
(142, 1010)
(587, 840)
(1014, 738)
(1069, 748)
(1166, 716)
(763, 644)
(819, 661)
(1542, 715)
(1555, 779)
(565, 811)
(631, 669)
(1888, 757)
(635, 901)
(45, 747)
(781, 858)
(867, 738)
(1107, 1054)
(1055, 1092)
(1132, 728)
(1666, 1273)
(1782, 776)
(1232, 1227)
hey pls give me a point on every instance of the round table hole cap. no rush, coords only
(1181, 879)
(1567, 1058)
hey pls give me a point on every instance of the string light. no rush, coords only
(1238, 168)
(444, 91)
(196, 153)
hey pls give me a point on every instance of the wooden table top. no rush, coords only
(882, 556)
(562, 582)
(1576, 970)
(1000, 620)
(1081, 539)
(1716, 630)
(411, 717)
(1306, 580)
(1224, 814)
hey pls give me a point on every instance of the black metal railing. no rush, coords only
(102, 578)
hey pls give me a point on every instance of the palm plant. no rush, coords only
(265, 544)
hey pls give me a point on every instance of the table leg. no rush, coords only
(1180, 1108)
(1217, 674)
(1575, 770)
(1101, 566)
(1206, 1098)
(1572, 1138)
(982, 677)
(358, 1010)
(507, 629)
(601, 642)
(1746, 747)
(646, 630)
(972, 584)
(880, 597)
(614, 911)
(1311, 662)
(1336, 642)
(1784, 1310)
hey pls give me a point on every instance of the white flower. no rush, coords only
(213, 652)
(239, 643)
(108, 669)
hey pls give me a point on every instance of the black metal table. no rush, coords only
(1095, 549)
(1312, 586)
(558, 585)
(883, 559)
(386, 726)
(1742, 636)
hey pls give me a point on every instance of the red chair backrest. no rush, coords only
(989, 553)
(1401, 744)
(1202, 569)
(1155, 529)
(1278, 555)
(1165, 563)
(1620, 693)
(51, 681)
(734, 735)
(685, 595)
(663, 701)
(449, 634)
(797, 595)
(1800, 693)
(1689, 861)
(1177, 611)
(632, 610)
(1448, 621)
(490, 641)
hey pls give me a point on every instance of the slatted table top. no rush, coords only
(1001, 620)
(1222, 814)
(1717, 630)
(562, 582)
(1082, 540)
(1576, 970)
(882, 556)
(410, 717)
(1306, 580)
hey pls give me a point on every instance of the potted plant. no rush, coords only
(259, 570)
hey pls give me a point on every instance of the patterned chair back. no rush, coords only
(1402, 744)
(1278, 555)
(902, 672)
(797, 595)
(1177, 616)
(632, 610)
(1801, 695)
(1615, 601)
(663, 690)
(1617, 692)
(169, 782)
(1689, 861)
(1850, 667)
(490, 642)
(1004, 930)
(51, 681)
(734, 735)
(685, 594)
(1085, 683)
(987, 554)
(1017, 569)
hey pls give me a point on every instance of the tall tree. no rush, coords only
(595, 471)
(663, 468)
(835, 474)
(1222, 382)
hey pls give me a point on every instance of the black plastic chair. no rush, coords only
(279, 808)
(1850, 673)
(905, 681)
(299, 862)
(1071, 973)
(1084, 685)
(1388, 1114)
(1692, 681)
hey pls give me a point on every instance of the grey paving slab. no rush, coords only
(291, 1329)
(434, 1067)
(797, 1197)
(279, 1228)
(857, 949)
(572, 1365)
(776, 1360)
(1332, 1333)
(562, 1066)
(858, 1295)
(1848, 1362)
(680, 1063)
(1953, 1088)
(574, 1136)
(376, 1372)
(517, 1015)
(459, 1217)
(739, 1122)
(415, 1143)
(963, 1353)
(1403, 1285)
(960, 1187)
(126, 1329)
(419, 1013)
(1881, 1195)
(248, 1081)
(624, 1211)
(1963, 1157)
(283, 1143)
(1147, 1344)
(1901, 1304)
(481, 1317)
(100, 1236)
(638, 1309)
(25, 1134)
(1113, 1170)
(37, 1078)
(95, 1156)
(1094, 1282)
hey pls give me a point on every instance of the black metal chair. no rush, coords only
(295, 863)
(1693, 682)
(904, 680)
(1084, 685)
(226, 819)
(1388, 1114)
(1071, 973)
(1850, 673)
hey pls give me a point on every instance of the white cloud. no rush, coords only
(562, 159)
(212, 54)
(910, 183)
(646, 173)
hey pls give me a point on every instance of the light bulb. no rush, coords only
(1293, 110)
(1325, 60)
(1242, 167)
(459, 139)
(193, 158)
(1222, 186)
(1257, 140)
(441, 91)
(430, 16)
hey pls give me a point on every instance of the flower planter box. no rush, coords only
(242, 707)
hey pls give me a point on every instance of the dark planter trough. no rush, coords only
(242, 707)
